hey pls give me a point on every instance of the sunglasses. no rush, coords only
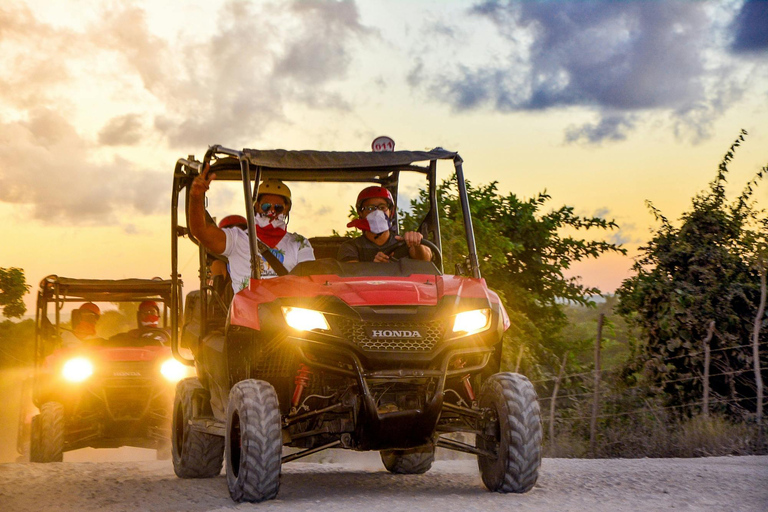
(381, 208)
(265, 207)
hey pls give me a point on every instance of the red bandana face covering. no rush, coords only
(271, 229)
(270, 235)
(85, 329)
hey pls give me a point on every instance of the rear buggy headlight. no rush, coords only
(472, 322)
(77, 369)
(305, 319)
(173, 370)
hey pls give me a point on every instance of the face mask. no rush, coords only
(264, 220)
(150, 320)
(378, 222)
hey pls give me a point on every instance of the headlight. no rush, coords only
(173, 370)
(472, 322)
(77, 369)
(305, 319)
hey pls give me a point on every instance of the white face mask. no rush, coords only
(278, 222)
(378, 222)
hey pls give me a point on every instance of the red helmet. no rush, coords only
(90, 306)
(370, 193)
(233, 220)
(149, 305)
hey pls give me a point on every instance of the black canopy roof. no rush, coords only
(308, 160)
(328, 165)
(107, 290)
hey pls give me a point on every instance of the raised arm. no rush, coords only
(209, 235)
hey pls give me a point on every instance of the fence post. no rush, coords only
(596, 400)
(710, 333)
(554, 399)
(756, 351)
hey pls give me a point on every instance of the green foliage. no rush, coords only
(581, 331)
(17, 342)
(13, 287)
(690, 275)
(523, 255)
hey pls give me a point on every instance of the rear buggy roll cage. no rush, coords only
(319, 166)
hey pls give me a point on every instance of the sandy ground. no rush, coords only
(357, 481)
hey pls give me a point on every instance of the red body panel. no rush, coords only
(414, 290)
(111, 354)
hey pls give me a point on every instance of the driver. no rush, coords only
(376, 217)
(148, 316)
(84, 321)
(148, 320)
(272, 205)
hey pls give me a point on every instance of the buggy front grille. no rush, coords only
(391, 336)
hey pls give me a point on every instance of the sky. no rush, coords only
(603, 105)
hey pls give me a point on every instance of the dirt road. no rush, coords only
(360, 483)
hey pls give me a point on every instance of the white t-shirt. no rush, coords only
(292, 249)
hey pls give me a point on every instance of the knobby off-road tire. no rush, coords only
(47, 437)
(414, 461)
(253, 442)
(517, 440)
(34, 440)
(195, 454)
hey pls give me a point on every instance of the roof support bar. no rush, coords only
(473, 261)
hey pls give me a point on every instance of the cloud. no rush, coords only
(226, 84)
(613, 58)
(750, 28)
(46, 168)
(232, 85)
(609, 127)
(122, 131)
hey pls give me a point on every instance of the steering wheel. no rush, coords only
(156, 333)
(401, 250)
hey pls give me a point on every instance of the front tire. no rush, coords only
(253, 442)
(195, 454)
(413, 461)
(47, 434)
(514, 434)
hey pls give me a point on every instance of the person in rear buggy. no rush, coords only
(272, 208)
(148, 320)
(376, 217)
(84, 321)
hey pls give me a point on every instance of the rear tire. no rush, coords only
(514, 434)
(47, 436)
(253, 442)
(195, 454)
(413, 461)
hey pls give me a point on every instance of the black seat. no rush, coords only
(327, 246)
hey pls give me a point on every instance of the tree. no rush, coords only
(13, 287)
(523, 256)
(690, 275)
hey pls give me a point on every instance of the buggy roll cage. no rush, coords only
(61, 290)
(251, 165)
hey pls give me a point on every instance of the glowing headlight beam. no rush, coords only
(77, 369)
(173, 370)
(305, 319)
(473, 321)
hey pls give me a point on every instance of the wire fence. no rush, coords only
(577, 395)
